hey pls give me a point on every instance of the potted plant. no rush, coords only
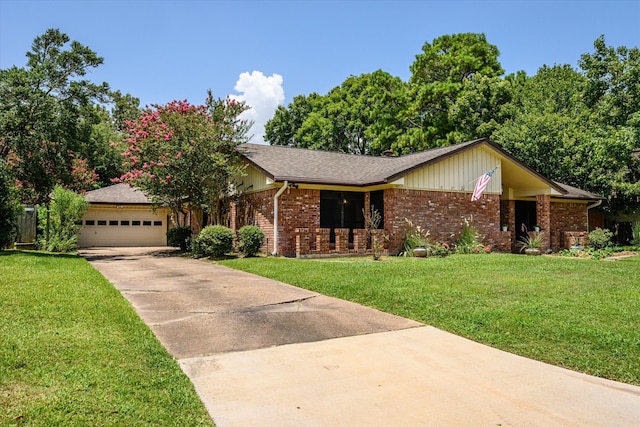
(505, 227)
(536, 228)
(531, 245)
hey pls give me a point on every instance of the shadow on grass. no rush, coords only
(40, 254)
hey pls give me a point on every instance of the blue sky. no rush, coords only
(267, 52)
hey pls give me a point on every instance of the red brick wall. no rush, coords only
(442, 213)
(297, 208)
(566, 217)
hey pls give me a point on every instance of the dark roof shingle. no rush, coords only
(122, 194)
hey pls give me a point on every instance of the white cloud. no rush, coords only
(263, 94)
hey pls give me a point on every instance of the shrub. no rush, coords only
(635, 234)
(10, 208)
(65, 212)
(213, 241)
(414, 237)
(470, 241)
(600, 239)
(177, 237)
(251, 239)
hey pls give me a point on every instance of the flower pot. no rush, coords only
(504, 228)
(536, 229)
(533, 251)
(420, 252)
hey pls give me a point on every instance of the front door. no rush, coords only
(525, 217)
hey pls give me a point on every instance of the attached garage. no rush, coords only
(120, 215)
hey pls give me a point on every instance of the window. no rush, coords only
(124, 222)
(156, 223)
(135, 222)
(341, 209)
(90, 222)
(146, 222)
(102, 222)
(377, 201)
(113, 222)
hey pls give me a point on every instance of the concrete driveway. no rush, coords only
(261, 352)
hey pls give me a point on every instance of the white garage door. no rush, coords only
(123, 227)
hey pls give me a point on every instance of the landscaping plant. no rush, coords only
(250, 240)
(470, 241)
(179, 237)
(65, 212)
(213, 241)
(600, 239)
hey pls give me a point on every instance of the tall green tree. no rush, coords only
(10, 207)
(438, 75)
(181, 153)
(46, 113)
(361, 116)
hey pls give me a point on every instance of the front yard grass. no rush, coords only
(581, 314)
(74, 353)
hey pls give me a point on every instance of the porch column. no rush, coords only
(302, 242)
(543, 216)
(342, 240)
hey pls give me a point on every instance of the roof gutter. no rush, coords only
(275, 216)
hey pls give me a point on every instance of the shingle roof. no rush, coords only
(282, 163)
(300, 165)
(576, 193)
(122, 194)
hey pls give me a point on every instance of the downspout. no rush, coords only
(275, 217)
(594, 205)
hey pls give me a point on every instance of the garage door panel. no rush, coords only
(123, 227)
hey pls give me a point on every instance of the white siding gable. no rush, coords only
(458, 173)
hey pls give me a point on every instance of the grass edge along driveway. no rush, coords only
(580, 314)
(74, 352)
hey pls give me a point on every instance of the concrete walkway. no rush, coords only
(261, 352)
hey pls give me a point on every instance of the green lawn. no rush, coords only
(581, 314)
(74, 353)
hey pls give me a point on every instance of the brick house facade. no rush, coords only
(323, 197)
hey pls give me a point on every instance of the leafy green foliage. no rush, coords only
(75, 353)
(10, 208)
(529, 241)
(178, 237)
(635, 233)
(470, 241)
(362, 116)
(213, 241)
(46, 115)
(250, 240)
(600, 239)
(65, 211)
(181, 152)
(415, 236)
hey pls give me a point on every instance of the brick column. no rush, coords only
(322, 240)
(342, 240)
(543, 215)
(360, 240)
(302, 241)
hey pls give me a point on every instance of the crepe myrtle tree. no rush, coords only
(182, 153)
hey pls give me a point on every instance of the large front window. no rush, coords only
(341, 209)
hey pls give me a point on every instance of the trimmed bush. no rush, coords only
(251, 239)
(213, 241)
(178, 236)
(600, 239)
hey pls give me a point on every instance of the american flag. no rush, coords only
(481, 184)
